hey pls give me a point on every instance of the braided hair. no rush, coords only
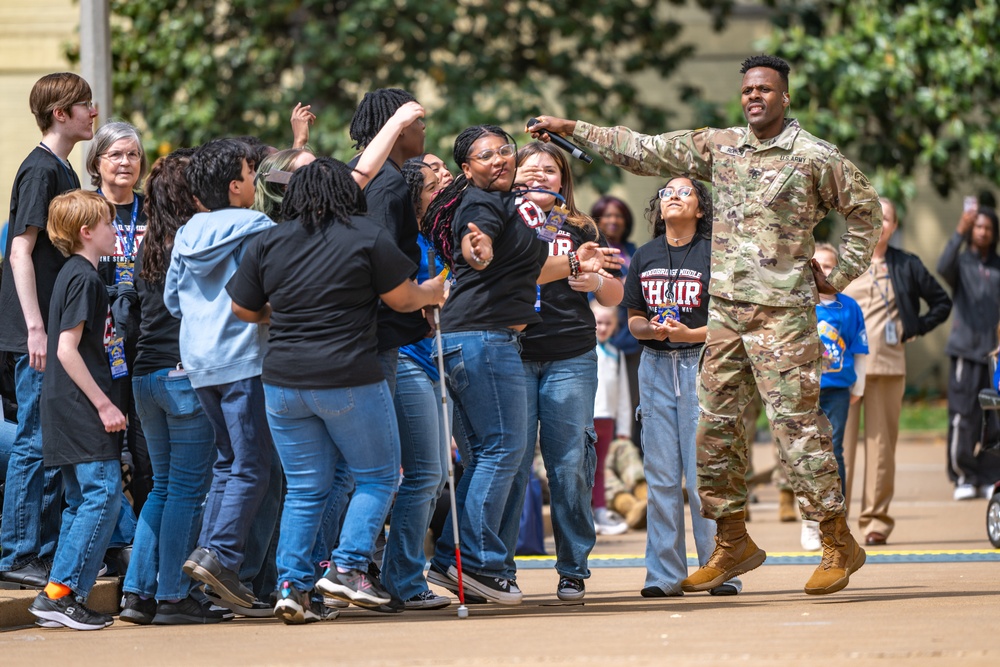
(437, 221)
(704, 225)
(321, 193)
(169, 204)
(374, 111)
(413, 174)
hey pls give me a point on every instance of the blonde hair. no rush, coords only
(71, 212)
(828, 247)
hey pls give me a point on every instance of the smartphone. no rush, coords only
(970, 204)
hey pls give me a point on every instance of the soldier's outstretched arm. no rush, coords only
(682, 152)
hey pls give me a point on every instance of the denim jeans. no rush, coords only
(125, 526)
(93, 496)
(256, 567)
(313, 429)
(33, 493)
(181, 445)
(561, 398)
(8, 432)
(422, 453)
(485, 377)
(668, 394)
(835, 402)
(241, 475)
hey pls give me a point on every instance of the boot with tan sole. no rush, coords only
(734, 554)
(787, 511)
(842, 556)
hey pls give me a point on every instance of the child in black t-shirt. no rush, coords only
(78, 417)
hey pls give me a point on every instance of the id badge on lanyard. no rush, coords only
(116, 357)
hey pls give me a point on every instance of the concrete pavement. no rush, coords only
(930, 595)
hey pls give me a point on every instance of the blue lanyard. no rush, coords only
(70, 174)
(524, 191)
(128, 245)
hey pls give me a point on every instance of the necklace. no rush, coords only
(679, 238)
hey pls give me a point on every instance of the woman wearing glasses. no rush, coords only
(116, 163)
(488, 235)
(666, 294)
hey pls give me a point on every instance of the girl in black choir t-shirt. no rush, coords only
(318, 279)
(666, 293)
(488, 236)
(560, 367)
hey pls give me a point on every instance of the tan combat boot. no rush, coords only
(787, 511)
(842, 556)
(734, 554)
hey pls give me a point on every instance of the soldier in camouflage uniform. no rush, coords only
(773, 183)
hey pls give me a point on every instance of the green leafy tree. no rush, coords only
(189, 70)
(898, 85)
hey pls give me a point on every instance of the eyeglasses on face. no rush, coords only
(505, 151)
(116, 156)
(668, 192)
(91, 105)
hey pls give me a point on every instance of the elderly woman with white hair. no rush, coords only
(117, 164)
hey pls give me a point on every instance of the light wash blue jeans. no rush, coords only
(313, 429)
(93, 493)
(422, 452)
(561, 398)
(181, 444)
(33, 493)
(668, 394)
(485, 378)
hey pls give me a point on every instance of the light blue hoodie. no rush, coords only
(216, 347)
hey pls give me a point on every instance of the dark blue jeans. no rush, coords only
(835, 403)
(33, 494)
(241, 476)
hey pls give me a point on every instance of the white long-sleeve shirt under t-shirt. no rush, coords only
(613, 400)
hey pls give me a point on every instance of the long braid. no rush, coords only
(321, 193)
(437, 222)
(374, 111)
(413, 174)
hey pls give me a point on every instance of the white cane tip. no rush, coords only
(463, 611)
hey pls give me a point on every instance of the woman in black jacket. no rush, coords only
(889, 294)
(971, 267)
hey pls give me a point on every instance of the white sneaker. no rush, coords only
(608, 522)
(965, 492)
(810, 535)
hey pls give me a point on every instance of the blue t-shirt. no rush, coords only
(423, 351)
(842, 331)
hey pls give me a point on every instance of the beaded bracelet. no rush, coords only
(574, 264)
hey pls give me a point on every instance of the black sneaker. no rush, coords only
(259, 608)
(353, 586)
(204, 566)
(657, 592)
(136, 610)
(68, 612)
(442, 579)
(186, 612)
(427, 600)
(495, 589)
(570, 589)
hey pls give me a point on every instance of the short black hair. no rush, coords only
(258, 150)
(213, 166)
(991, 215)
(374, 111)
(770, 62)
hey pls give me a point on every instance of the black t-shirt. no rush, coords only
(72, 426)
(681, 276)
(389, 205)
(159, 331)
(502, 294)
(567, 328)
(124, 252)
(324, 292)
(41, 177)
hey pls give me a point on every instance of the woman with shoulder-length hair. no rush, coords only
(488, 235)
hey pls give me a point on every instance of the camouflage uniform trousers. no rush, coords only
(776, 349)
(622, 469)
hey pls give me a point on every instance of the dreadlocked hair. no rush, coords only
(437, 221)
(413, 174)
(168, 206)
(579, 220)
(374, 111)
(321, 193)
(703, 228)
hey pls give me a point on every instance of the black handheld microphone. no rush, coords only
(564, 144)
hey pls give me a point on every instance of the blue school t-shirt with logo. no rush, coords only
(842, 332)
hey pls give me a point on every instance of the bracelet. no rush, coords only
(574, 264)
(479, 260)
(600, 283)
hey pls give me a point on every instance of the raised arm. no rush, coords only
(378, 150)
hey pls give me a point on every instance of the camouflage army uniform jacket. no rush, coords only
(769, 195)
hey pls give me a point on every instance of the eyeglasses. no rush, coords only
(506, 150)
(91, 105)
(116, 156)
(683, 191)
